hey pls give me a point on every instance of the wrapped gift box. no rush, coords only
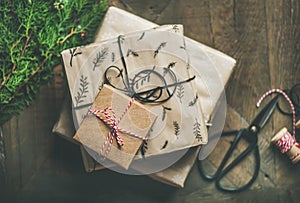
(159, 59)
(118, 22)
(214, 66)
(130, 121)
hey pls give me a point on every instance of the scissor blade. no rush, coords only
(262, 118)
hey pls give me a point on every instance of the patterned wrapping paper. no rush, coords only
(181, 124)
(118, 22)
(213, 66)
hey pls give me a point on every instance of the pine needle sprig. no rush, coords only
(100, 56)
(180, 92)
(197, 131)
(82, 91)
(35, 34)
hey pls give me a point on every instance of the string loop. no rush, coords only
(158, 94)
(289, 101)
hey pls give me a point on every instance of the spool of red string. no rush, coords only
(287, 144)
(285, 141)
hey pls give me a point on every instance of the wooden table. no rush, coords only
(264, 38)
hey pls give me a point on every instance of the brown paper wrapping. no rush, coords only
(127, 22)
(222, 63)
(64, 127)
(181, 123)
(92, 132)
(214, 66)
(175, 175)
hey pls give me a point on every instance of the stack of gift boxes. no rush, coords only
(142, 97)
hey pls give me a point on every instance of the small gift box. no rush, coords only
(115, 127)
(175, 175)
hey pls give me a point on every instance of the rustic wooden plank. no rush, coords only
(150, 10)
(283, 37)
(244, 87)
(262, 35)
(25, 132)
(239, 29)
(49, 187)
(44, 118)
(2, 165)
(252, 196)
(46, 108)
(194, 15)
(224, 38)
(222, 16)
(27, 138)
(12, 155)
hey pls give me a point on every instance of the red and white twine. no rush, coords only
(111, 120)
(286, 142)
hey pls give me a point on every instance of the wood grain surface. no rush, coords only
(262, 35)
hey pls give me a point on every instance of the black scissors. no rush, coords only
(250, 134)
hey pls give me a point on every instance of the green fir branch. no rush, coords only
(33, 35)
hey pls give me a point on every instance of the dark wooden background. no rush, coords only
(262, 35)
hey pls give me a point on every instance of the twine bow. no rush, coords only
(111, 120)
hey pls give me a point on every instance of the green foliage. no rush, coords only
(33, 34)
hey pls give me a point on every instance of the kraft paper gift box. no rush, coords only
(175, 175)
(153, 58)
(118, 22)
(120, 116)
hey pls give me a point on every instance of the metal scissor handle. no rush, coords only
(221, 171)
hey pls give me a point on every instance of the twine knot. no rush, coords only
(111, 121)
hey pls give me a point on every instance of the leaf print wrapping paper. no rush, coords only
(162, 50)
(118, 21)
(213, 66)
